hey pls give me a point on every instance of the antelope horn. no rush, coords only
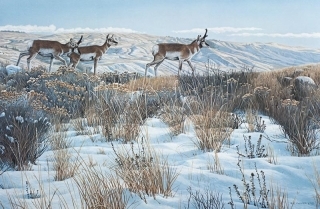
(205, 35)
(108, 36)
(80, 40)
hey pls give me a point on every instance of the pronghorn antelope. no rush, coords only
(89, 53)
(46, 48)
(175, 51)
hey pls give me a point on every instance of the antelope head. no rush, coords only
(111, 40)
(73, 44)
(202, 40)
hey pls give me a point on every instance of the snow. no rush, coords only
(20, 119)
(10, 138)
(12, 69)
(306, 80)
(290, 173)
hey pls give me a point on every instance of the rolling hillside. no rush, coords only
(134, 51)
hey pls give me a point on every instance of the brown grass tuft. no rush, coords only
(144, 171)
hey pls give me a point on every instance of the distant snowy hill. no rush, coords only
(134, 51)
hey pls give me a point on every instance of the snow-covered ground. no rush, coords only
(290, 173)
(134, 51)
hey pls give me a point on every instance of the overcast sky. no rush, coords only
(290, 22)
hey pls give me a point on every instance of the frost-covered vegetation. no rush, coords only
(238, 139)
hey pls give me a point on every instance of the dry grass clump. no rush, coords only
(214, 164)
(115, 77)
(298, 122)
(153, 84)
(99, 190)
(144, 172)
(213, 128)
(58, 140)
(64, 166)
(174, 116)
(315, 180)
(120, 112)
(117, 114)
(79, 125)
(278, 199)
(254, 122)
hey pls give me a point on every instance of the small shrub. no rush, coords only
(252, 151)
(254, 122)
(249, 195)
(297, 122)
(31, 193)
(23, 133)
(204, 199)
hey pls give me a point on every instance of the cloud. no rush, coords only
(54, 29)
(96, 30)
(279, 35)
(218, 30)
(29, 28)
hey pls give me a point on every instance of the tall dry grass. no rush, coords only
(213, 129)
(315, 180)
(278, 198)
(64, 164)
(100, 190)
(144, 171)
(174, 116)
(153, 84)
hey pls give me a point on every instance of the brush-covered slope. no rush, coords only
(134, 51)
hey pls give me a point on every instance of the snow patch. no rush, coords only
(12, 69)
(20, 119)
(306, 80)
(10, 138)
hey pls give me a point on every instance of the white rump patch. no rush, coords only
(155, 49)
(30, 43)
